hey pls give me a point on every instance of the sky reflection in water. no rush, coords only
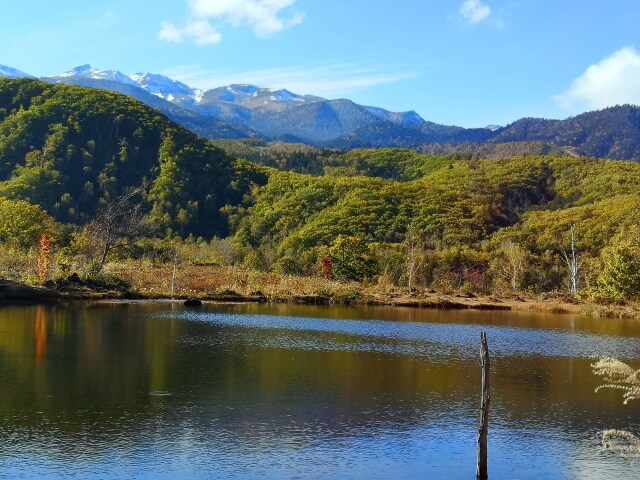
(156, 391)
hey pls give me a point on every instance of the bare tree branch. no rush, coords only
(120, 223)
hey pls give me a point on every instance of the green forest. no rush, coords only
(71, 156)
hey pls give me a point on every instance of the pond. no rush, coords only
(158, 391)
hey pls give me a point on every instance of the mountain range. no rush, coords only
(248, 111)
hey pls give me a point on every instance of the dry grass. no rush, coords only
(630, 310)
(194, 280)
(202, 281)
(621, 442)
(541, 306)
(619, 376)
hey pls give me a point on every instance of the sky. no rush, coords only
(457, 62)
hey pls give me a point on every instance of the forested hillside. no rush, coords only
(391, 163)
(612, 132)
(72, 149)
(389, 216)
(464, 215)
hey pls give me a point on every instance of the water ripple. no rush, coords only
(410, 338)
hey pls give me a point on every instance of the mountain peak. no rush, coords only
(240, 92)
(245, 93)
(10, 72)
(87, 71)
(243, 87)
(83, 68)
(167, 88)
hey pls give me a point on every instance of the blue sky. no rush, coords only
(463, 62)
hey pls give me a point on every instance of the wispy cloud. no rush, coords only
(108, 18)
(474, 11)
(613, 81)
(200, 31)
(170, 33)
(264, 17)
(325, 80)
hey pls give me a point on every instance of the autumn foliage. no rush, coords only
(327, 267)
(44, 258)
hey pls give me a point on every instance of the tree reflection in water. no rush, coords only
(40, 332)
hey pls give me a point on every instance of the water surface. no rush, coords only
(159, 391)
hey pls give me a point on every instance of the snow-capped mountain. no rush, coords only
(252, 96)
(9, 72)
(267, 112)
(244, 110)
(167, 88)
(248, 111)
(87, 71)
(234, 103)
(232, 94)
(163, 87)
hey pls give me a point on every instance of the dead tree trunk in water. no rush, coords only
(483, 426)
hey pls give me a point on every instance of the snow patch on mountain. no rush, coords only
(87, 71)
(154, 83)
(285, 95)
(167, 88)
(245, 93)
(240, 93)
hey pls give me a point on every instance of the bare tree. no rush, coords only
(571, 258)
(119, 223)
(415, 255)
(512, 264)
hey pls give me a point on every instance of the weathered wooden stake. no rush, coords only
(483, 426)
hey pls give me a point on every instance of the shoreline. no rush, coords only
(18, 293)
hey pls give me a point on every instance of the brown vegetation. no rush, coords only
(233, 283)
(620, 376)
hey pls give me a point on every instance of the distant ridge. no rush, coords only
(248, 111)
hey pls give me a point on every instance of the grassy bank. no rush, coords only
(237, 284)
(137, 280)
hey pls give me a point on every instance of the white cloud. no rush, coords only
(170, 33)
(264, 17)
(474, 11)
(200, 31)
(613, 81)
(325, 80)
